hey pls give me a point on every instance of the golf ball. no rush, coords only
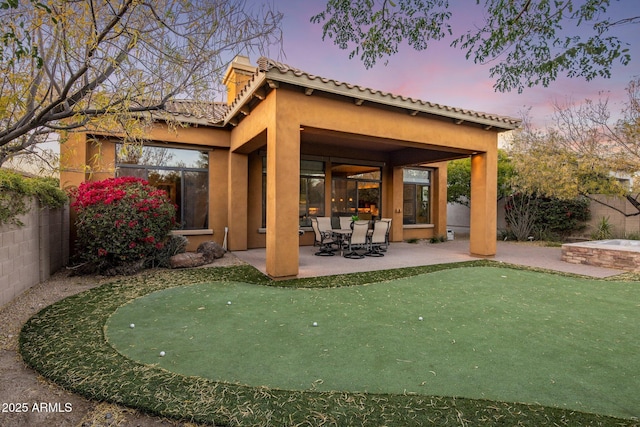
(132, 325)
(162, 353)
(228, 302)
(420, 318)
(315, 323)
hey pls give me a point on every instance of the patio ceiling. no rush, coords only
(394, 152)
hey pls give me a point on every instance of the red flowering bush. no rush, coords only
(121, 221)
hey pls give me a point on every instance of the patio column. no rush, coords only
(283, 195)
(237, 201)
(439, 199)
(397, 229)
(484, 193)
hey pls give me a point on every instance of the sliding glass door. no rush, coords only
(355, 190)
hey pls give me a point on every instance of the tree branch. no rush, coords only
(635, 203)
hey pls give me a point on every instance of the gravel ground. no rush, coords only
(29, 400)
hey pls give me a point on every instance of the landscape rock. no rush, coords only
(186, 260)
(211, 251)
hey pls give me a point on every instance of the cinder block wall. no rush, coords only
(31, 253)
(622, 225)
(458, 217)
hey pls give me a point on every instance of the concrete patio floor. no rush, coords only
(402, 254)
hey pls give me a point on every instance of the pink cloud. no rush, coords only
(441, 74)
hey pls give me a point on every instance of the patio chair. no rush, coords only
(324, 239)
(357, 240)
(345, 222)
(385, 246)
(378, 238)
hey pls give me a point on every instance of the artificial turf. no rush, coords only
(66, 343)
(486, 333)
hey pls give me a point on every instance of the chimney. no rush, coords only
(238, 74)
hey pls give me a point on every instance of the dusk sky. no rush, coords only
(441, 74)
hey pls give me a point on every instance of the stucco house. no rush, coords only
(289, 146)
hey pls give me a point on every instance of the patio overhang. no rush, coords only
(275, 75)
(393, 152)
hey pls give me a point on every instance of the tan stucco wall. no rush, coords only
(195, 135)
(256, 237)
(93, 159)
(484, 193)
(318, 112)
(410, 233)
(439, 199)
(283, 188)
(218, 194)
(346, 117)
(623, 218)
(73, 160)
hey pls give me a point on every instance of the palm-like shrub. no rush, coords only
(121, 221)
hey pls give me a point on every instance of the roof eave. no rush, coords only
(311, 83)
(411, 105)
(243, 97)
(180, 118)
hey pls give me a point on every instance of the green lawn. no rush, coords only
(489, 336)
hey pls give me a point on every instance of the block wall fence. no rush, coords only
(623, 225)
(31, 253)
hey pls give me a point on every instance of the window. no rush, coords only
(182, 173)
(311, 191)
(311, 202)
(355, 190)
(416, 196)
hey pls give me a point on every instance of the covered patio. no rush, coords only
(290, 125)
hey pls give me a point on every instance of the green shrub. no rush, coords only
(604, 230)
(560, 218)
(545, 218)
(121, 221)
(16, 191)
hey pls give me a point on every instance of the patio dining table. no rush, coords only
(341, 235)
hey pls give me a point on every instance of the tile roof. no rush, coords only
(197, 112)
(218, 113)
(267, 65)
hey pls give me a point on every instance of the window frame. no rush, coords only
(181, 169)
(357, 179)
(417, 184)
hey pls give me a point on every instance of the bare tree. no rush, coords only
(104, 63)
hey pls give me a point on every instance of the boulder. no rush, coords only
(186, 260)
(211, 251)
